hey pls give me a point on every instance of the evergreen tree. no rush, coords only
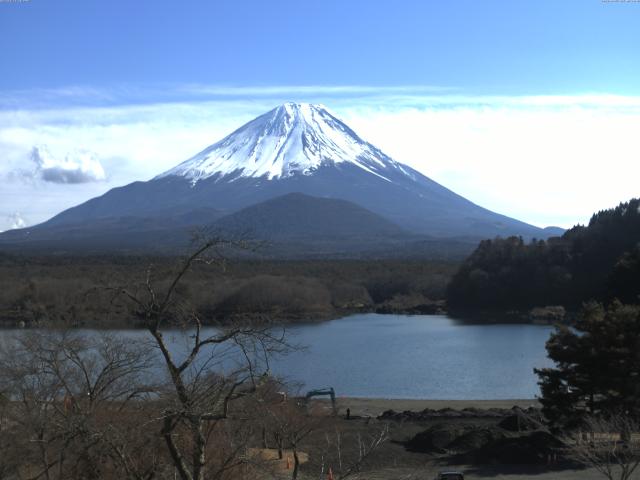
(597, 366)
(624, 281)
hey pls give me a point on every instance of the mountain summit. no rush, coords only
(294, 138)
(294, 148)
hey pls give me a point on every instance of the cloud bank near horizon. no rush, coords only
(544, 159)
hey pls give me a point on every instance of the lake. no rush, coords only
(421, 357)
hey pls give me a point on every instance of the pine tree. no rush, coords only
(597, 366)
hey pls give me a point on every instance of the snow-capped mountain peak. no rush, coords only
(294, 149)
(292, 139)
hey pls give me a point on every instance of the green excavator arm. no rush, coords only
(321, 392)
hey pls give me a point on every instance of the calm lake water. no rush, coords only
(430, 357)
(423, 357)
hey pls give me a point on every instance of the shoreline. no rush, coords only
(14, 322)
(374, 407)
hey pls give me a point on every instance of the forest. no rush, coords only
(77, 291)
(599, 261)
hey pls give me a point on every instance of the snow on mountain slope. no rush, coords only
(288, 140)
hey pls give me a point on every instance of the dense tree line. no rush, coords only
(600, 261)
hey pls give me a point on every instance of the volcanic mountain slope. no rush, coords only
(292, 226)
(296, 225)
(126, 234)
(293, 148)
(296, 216)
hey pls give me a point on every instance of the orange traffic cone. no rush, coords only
(330, 474)
(288, 463)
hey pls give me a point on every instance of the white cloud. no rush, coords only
(542, 159)
(12, 221)
(551, 165)
(80, 166)
(16, 221)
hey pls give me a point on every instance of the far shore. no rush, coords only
(373, 407)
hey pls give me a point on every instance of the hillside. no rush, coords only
(599, 261)
(298, 216)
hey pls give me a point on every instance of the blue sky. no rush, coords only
(505, 102)
(487, 46)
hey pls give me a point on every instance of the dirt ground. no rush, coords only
(394, 462)
(429, 472)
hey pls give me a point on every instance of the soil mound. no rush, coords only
(475, 439)
(447, 413)
(520, 422)
(438, 438)
(532, 449)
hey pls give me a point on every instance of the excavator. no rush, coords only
(324, 391)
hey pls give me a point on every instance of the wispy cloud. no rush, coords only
(75, 96)
(46, 97)
(316, 90)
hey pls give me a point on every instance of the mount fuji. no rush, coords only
(293, 139)
(294, 148)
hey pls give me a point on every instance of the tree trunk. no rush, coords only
(199, 446)
(296, 463)
(279, 441)
(176, 456)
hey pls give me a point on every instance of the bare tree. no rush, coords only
(215, 369)
(290, 426)
(64, 390)
(350, 459)
(611, 445)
